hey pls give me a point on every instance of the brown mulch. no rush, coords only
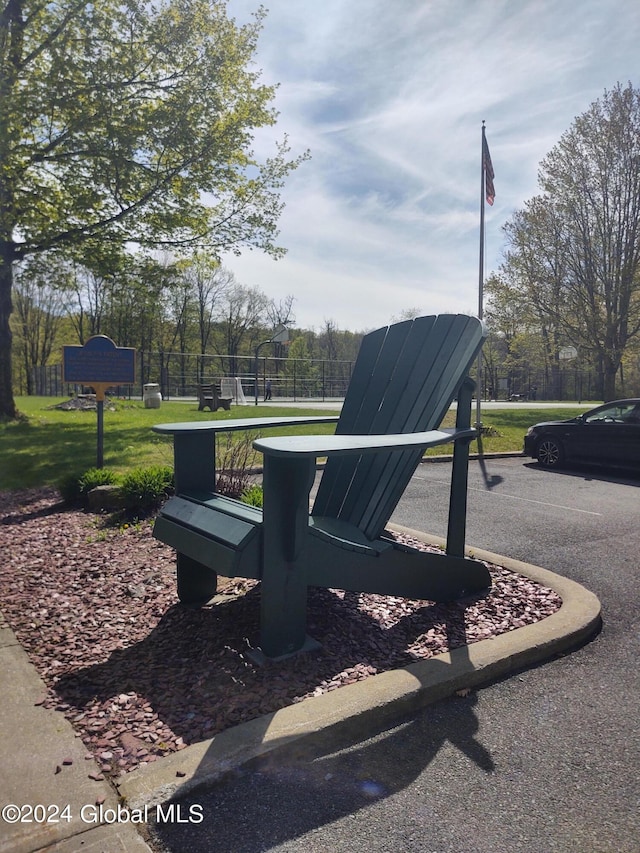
(140, 676)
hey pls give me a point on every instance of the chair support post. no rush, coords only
(283, 614)
(456, 530)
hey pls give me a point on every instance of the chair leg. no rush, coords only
(456, 530)
(197, 584)
(283, 614)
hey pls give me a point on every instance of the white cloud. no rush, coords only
(390, 98)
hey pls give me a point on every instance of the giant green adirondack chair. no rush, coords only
(404, 381)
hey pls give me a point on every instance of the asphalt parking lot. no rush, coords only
(543, 761)
(576, 522)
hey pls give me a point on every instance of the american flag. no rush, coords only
(488, 172)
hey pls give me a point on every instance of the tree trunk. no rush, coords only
(609, 389)
(7, 403)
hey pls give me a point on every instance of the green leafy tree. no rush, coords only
(39, 313)
(127, 122)
(299, 363)
(577, 247)
(303, 374)
(181, 319)
(528, 296)
(210, 283)
(242, 321)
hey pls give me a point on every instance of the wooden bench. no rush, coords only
(403, 383)
(209, 396)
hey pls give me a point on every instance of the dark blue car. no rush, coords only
(608, 435)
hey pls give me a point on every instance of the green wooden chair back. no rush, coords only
(404, 380)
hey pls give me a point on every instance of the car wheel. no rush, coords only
(550, 453)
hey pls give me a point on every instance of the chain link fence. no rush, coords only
(301, 380)
(179, 376)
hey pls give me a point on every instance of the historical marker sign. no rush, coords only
(99, 364)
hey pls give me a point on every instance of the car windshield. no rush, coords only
(628, 413)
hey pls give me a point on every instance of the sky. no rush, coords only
(389, 97)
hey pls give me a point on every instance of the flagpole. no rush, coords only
(481, 279)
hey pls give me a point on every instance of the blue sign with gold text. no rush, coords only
(99, 361)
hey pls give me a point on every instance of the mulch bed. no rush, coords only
(140, 676)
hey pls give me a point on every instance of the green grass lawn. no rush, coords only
(51, 443)
(507, 426)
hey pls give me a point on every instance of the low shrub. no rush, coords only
(253, 495)
(69, 488)
(74, 488)
(234, 460)
(144, 489)
(96, 477)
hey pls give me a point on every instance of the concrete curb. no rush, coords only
(358, 710)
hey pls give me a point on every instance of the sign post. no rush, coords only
(101, 365)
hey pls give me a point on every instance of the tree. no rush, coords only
(85, 299)
(530, 291)
(572, 269)
(178, 311)
(281, 314)
(407, 314)
(125, 122)
(300, 369)
(329, 340)
(209, 284)
(591, 179)
(244, 312)
(39, 311)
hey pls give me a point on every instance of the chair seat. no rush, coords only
(346, 536)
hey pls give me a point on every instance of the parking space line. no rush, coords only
(532, 501)
(516, 498)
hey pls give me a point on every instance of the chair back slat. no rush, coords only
(377, 359)
(404, 380)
